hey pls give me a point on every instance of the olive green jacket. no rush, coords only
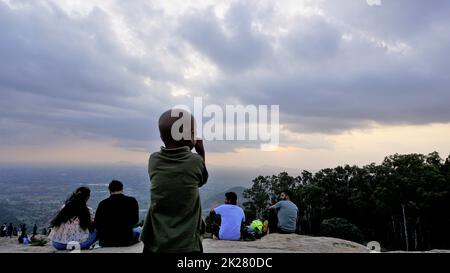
(174, 222)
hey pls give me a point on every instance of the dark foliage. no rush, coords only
(341, 228)
(403, 203)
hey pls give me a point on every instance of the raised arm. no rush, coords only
(200, 149)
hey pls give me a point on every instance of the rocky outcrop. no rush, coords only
(285, 243)
(273, 243)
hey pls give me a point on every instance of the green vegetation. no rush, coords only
(403, 203)
(341, 228)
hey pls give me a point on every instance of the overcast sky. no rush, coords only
(85, 81)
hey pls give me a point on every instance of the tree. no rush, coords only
(403, 202)
(341, 228)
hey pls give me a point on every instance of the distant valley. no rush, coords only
(34, 194)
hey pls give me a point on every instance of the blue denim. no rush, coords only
(83, 245)
(137, 233)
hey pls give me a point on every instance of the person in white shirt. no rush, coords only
(232, 219)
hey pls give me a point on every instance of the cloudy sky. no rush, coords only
(85, 81)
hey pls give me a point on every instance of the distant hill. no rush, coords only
(218, 199)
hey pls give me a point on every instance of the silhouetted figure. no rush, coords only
(116, 218)
(3, 230)
(10, 230)
(44, 231)
(23, 233)
(23, 229)
(34, 230)
(14, 231)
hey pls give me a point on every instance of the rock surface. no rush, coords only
(283, 243)
(273, 243)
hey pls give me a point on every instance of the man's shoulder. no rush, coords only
(154, 155)
(230, 207)
(291, 204)
(103, 202)
(224, 207)
(241, 210)
(189, 155)
(130, 199)
(195, 159)
(219, 207)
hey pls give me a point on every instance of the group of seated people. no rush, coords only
(113, 225)
(281, 218)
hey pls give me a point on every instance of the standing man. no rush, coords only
(116, 217)
(232, 219)
(287, 213)
(35, 230)
(174, 220)
(10, 230)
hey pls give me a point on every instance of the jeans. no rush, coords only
(83, 245)
(137, 233)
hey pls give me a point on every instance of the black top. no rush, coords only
(114, 220)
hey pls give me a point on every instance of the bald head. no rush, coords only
(177, 128)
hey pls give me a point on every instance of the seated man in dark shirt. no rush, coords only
(115, 218)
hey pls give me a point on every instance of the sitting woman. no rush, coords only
(74, 222)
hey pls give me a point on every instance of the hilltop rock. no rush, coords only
(273, 243)
(285, 243)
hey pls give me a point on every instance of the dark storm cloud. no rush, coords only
(344, 67)
(331, 73)
(70, 77)
(231, 45)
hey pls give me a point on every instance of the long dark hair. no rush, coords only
(75, 207)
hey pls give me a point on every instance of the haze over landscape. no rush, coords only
(33, 194)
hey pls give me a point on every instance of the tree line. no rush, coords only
(403, 203)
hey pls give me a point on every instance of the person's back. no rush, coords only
(174, 218)
(287, 216)
(173, 222)
(68, 231)
(114, 220)
(73, 222)
(232, 217)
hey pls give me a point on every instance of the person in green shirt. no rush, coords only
(173, 223)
